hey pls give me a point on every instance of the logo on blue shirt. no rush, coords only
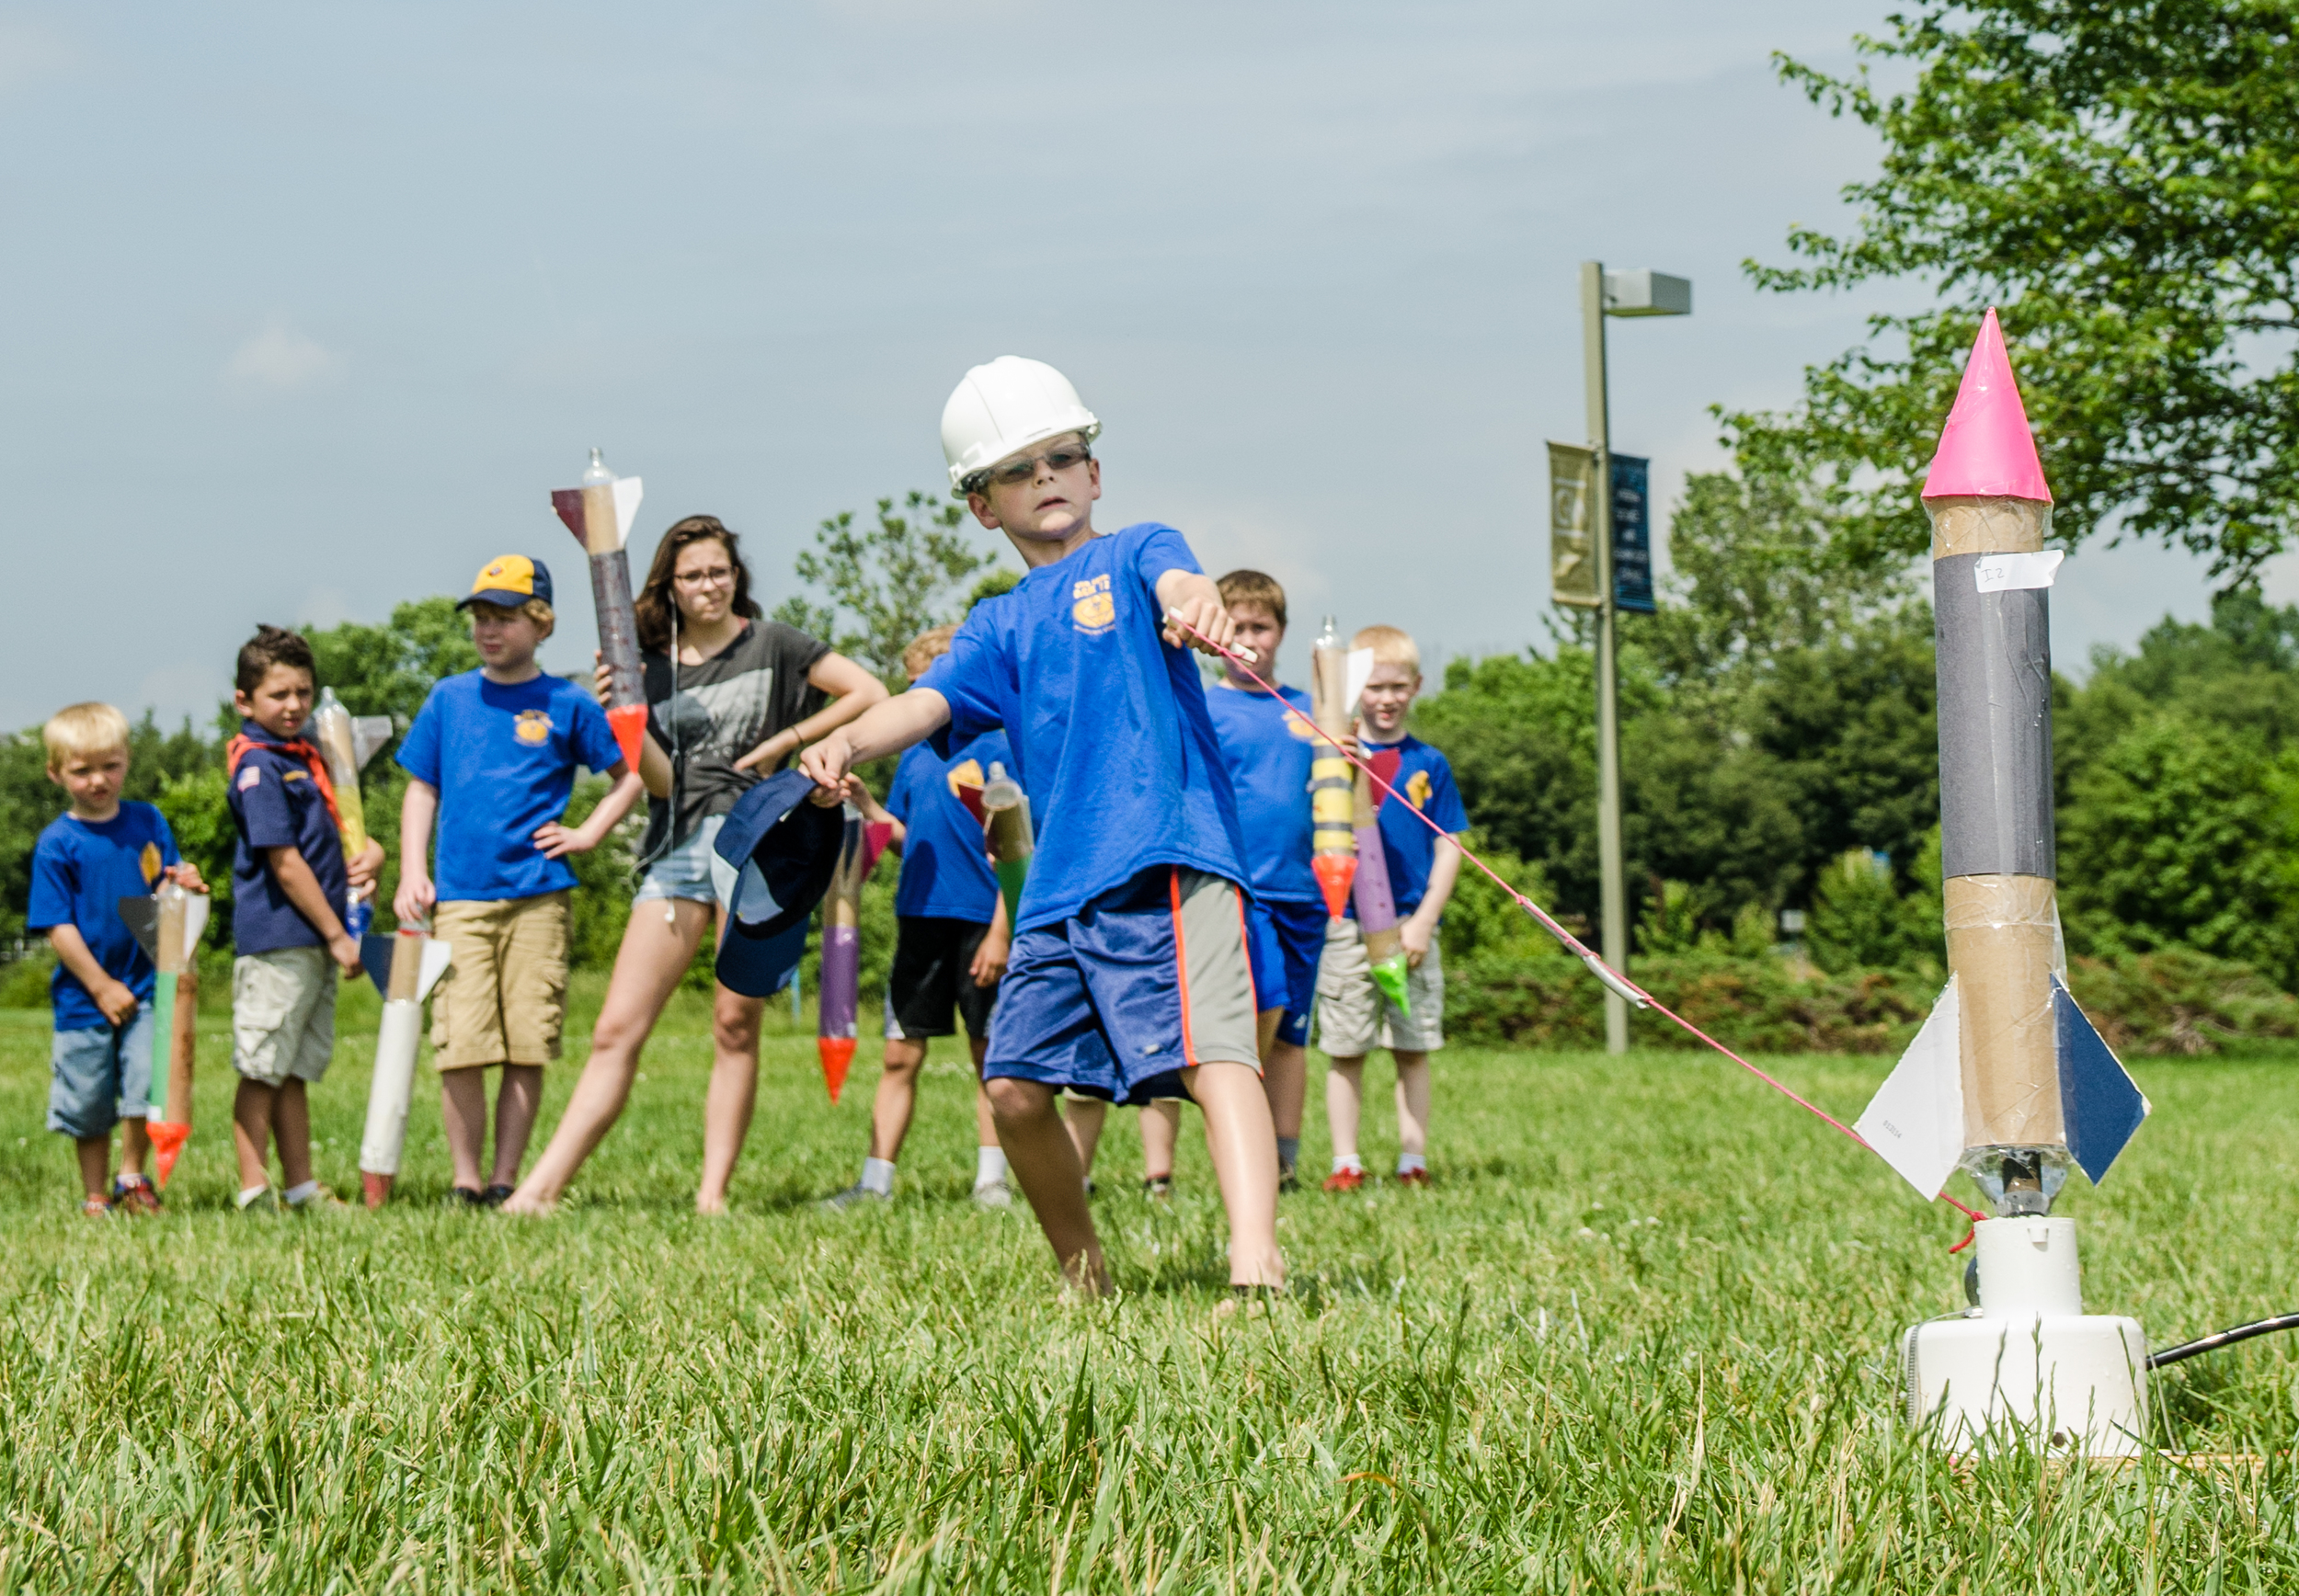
(1094, 609)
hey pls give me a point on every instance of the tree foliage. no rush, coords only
(887, 581)
(2119, 176)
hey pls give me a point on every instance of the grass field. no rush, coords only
(1638, 1337)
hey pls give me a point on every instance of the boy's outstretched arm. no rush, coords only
(1189, 595)
(886, 727)
(852, 691)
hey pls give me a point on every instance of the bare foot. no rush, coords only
(704, 1203)
(533, 1207)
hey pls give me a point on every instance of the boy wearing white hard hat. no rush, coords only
(1130, 975)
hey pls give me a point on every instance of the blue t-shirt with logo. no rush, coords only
(81, 869)
(276, 803)
(1269, 753)
(1424, 780)
(1109, 728)
(945, 867)
(503, 761)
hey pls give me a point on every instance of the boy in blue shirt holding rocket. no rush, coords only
(1129, 977)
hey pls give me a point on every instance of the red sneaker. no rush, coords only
(134, 1194)
(1345, 1180)
(1413, 1177)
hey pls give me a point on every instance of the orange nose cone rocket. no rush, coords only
(628, 722)
(1336, 874)
(838, 1052)
(167, 1141)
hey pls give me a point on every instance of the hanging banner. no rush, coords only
(1571, 548)
(1631, 534)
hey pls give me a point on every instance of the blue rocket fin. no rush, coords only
(2100, 1104)
(376, 959)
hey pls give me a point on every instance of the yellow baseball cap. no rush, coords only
(510, 581)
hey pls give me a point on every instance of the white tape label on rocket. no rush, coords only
(2004, 573)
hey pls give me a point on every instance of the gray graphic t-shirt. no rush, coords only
(725, 707)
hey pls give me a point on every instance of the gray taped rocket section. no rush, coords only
(1994, 668)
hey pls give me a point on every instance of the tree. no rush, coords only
(2119, 176)
(894, 580)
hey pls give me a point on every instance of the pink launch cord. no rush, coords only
(1611, 977)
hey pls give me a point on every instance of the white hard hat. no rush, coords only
(1005, 407)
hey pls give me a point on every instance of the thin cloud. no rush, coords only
(282, 360)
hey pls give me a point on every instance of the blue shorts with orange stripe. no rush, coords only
(1114, 1002)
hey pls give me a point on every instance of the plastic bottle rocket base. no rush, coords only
(838, 1054)
(2029, 1370)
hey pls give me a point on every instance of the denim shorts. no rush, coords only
(98, 1077)
(691, 870)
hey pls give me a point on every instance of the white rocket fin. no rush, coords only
(1360, 672)
(1916, 1120)
(196, 907)
(2099, 1103)
(368, 732)
(626, 497)
(437, 955)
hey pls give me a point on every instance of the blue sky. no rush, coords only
(306, 307)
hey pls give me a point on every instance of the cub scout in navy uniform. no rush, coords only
(288, 875)
(1131, 976)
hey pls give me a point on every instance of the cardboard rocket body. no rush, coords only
(167, 926)
(346, 742)
(1007, 832)
(405, 966)
(2007, 1079)
(1376, 900)
(599, 514)
(837, 1027)
(1332, 801)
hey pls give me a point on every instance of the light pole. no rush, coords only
(1613, 294)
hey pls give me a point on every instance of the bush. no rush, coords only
(2174, 1002)
(2177, 1001)
(24, 983)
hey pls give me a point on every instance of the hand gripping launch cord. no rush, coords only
(1628, 990)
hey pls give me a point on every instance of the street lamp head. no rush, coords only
(1647, 293)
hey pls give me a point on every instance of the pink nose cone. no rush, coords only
(1985, 447)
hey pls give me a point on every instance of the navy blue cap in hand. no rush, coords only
(784, 849)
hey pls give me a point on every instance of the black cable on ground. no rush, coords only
(2223, 1338)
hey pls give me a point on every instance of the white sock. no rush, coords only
(1408, 1162)
(252, 1193)
(1349, 1162)
(298, 1195)
(878, 1176)
(989, 1167)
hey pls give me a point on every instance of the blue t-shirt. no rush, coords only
(502, 760)
(945, 867)
(275, 804)
(1109, 728)
(1269, 753)
(81, 869)
(1424, 780)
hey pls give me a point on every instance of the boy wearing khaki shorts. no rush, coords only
(491, 759)
(290, 882)
(1354, 1016)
